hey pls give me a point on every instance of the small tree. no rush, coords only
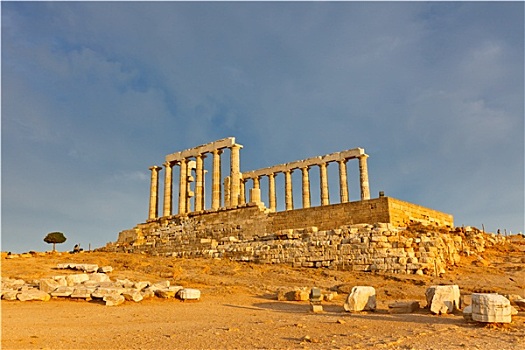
(55, 237)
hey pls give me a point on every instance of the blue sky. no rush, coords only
(93, 93)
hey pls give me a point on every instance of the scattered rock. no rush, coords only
(114, 299)
(33, 294)
(362, 298)
(403, 307)
(443, 299)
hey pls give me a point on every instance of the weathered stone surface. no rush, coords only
(33, 294)
(105, 269)
(114, 299)
(125, 283)
(165, 293)
(160, 285)
(361, 298)
(9, 294)
(491, 308)
(443, 299)
(403, 307)
(189, 294)
(48, 285)
(133, 295)
(99, 277)
(467, 313)
(63, 291)
(520, 304)
(101, 292)
(82, 293)
(75, 279)
(141, 285)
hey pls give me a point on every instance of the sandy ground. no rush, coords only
(239, 309)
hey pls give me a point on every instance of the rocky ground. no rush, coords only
(239, 309)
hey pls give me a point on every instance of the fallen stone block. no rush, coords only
(491, 308)
(520, 304)
(105, 269)
(9, 294)
(114, 299)
(467, 313)
(75, 279)
(125, 283)
(82, 293)
(33, 294)
(63, 291)
(101, 292)
(403, 307)
(189, 294)
(99, 277)
(361, 298)
(48, 285)
(147, 293)
(160, 285)
(133, 295)
(141, 285)
(443, 299)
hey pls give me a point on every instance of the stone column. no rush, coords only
(271, 192)
(154, 193)
(235, 174)
(168, 189)
(288, 189)
(306, 187)
(242, 192)
(325, 198)
(216, 180)
(343, 181)
(199, 182)
(363, 175)
(183, 185)
(227, 188)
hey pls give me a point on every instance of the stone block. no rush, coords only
(141, 285)
(48, 285)
(81, 293)
(403, 307)
(133, 295)
(189, 294)
(33, 294)
(9, 294)
(491, 308)
(105, 269)
(75, 279)
(520, 304)
(361, 298)
(99, 277)
(114, 299)
(63, 291)
(443, 299)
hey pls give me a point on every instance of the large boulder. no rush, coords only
(491, 307)
(361, 298)
(443, 299)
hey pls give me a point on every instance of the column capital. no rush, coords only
(155, 167)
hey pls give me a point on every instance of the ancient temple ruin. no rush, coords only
(232, 210)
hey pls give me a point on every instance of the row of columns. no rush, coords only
(185, 179)
(325, 198)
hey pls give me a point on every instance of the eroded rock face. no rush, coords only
(361, 298)
(488, 307)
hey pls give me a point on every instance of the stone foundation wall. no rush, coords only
(360, 247)
(331, 235)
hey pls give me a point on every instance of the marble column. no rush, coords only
(343, 181)
(363, 176)
(168, 189)
(183, 185)
(325, 197)
(235, 174)
(242, 192)
(288, 189)
(271, 192)
(216, 180)
(154, 193)
(199, 182)
(227, 188)
(306, 187)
